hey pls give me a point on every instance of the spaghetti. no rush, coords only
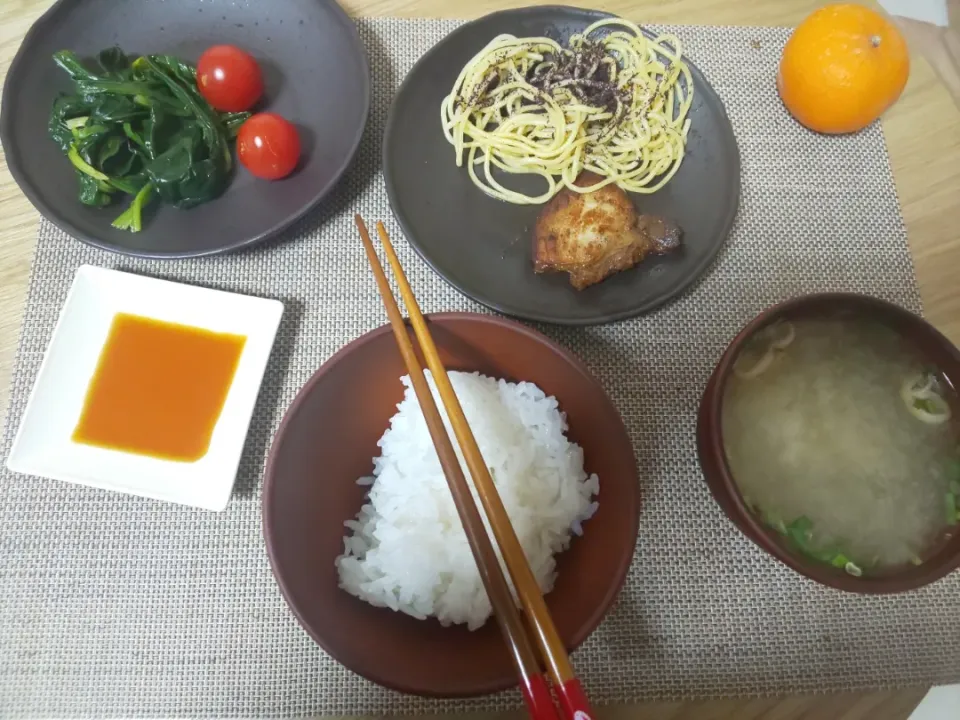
(614, 105)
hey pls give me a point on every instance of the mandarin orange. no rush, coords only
(842, 68)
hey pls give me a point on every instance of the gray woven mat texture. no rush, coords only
(121, 607)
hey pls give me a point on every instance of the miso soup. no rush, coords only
(843, 437)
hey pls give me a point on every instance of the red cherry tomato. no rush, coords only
(229, 78)
(268, 146)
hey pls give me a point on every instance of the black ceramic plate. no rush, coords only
(482, 246)
(315, 74)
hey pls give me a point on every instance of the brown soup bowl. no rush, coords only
(328, 440)
(944, 557)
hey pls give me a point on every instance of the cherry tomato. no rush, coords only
(229, 78)
(268, 146)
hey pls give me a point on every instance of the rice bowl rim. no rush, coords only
(595, 615)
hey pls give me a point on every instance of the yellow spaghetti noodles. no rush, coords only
(612, 103)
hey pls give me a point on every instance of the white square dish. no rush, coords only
(43, 444)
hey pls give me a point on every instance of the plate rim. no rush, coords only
(48, 212)
(696, 273)
(596, 615)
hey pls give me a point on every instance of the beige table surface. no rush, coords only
(923, 133)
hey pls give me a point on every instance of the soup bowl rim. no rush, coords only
(720, 478)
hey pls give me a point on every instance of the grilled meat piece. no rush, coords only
(593, 235)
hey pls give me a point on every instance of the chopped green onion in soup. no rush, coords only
(920, 393)
(781, 334)
(759, 351)
(752, 362)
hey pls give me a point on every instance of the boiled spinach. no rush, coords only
(139, 127)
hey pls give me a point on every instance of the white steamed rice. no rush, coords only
(407, 550)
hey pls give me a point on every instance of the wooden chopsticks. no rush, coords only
(573, 701)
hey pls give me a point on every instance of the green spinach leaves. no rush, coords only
(141, 128)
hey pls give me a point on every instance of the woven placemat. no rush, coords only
(117, 606)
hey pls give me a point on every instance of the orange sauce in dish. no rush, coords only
(159, 388)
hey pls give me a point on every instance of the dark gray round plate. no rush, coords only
(315, 74)
(482, 246)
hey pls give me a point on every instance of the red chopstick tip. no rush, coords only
(536, 694)
(574, 701)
